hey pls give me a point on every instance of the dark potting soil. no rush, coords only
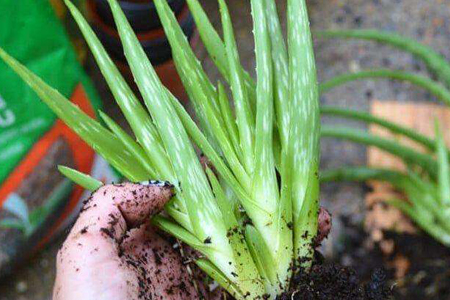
(335, 282)
(428, 272)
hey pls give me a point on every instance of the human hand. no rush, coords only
(112, 253)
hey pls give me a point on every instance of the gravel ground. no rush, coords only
(426, 21)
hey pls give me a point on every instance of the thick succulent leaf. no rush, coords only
(209, 35)
(216, 48)
(182, 49)
(265, 187)
(229, 120)
(181, 217)
(214, 123)
(424, 210)
(224, 280)
(244, 116)
(130, 144)
(431, 228)
(102, 140)
(427, 206)
(406, 153)
(362, 174)
(226, 207)
(180, 233)
(201, 141)
(191, 88)
(433, 87)
(263, 259)
(369, 118)
(84, 180)
(281, 70)
(244, 264)
(220, 278)
(274, 230)
(423, 182)
(305, 125)
(444, 169)
(134, 112)
(434, 61)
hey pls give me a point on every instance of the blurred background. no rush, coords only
(28, 261)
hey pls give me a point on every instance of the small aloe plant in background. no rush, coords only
(427, 182)
(254, 217)
(427, 192)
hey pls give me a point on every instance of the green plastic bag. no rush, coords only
(36, 201)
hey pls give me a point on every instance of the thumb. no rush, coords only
(114, 209)
(88, 263)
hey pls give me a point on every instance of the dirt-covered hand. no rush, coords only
(112, 253)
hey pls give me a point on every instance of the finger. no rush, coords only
(162, 274)
(88, 264)
(114, 208)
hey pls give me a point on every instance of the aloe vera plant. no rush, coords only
(436, 63)
(428, 199)
(251, 227)
(426, 184)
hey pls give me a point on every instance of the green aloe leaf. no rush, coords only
(220, 278)
(245, 266)
(181, 49)
(265, 186)
(444, 169)
(262, 257)
(130, 144)
(369, 118)
(422, 207)
(134, 112)
(408, 154)
(434, 61)
(229, 120)
(209, 35)
(100, 139)
(434, 87)
(303, 152)
(197, 101)
(200, 140)
(216, 48)
(179, 232)
(84, 180)
(431, 228)
(281, 70)
(215, 124)
(244, 116)
(362, 174)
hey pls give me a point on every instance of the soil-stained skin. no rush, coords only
(111, 253)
